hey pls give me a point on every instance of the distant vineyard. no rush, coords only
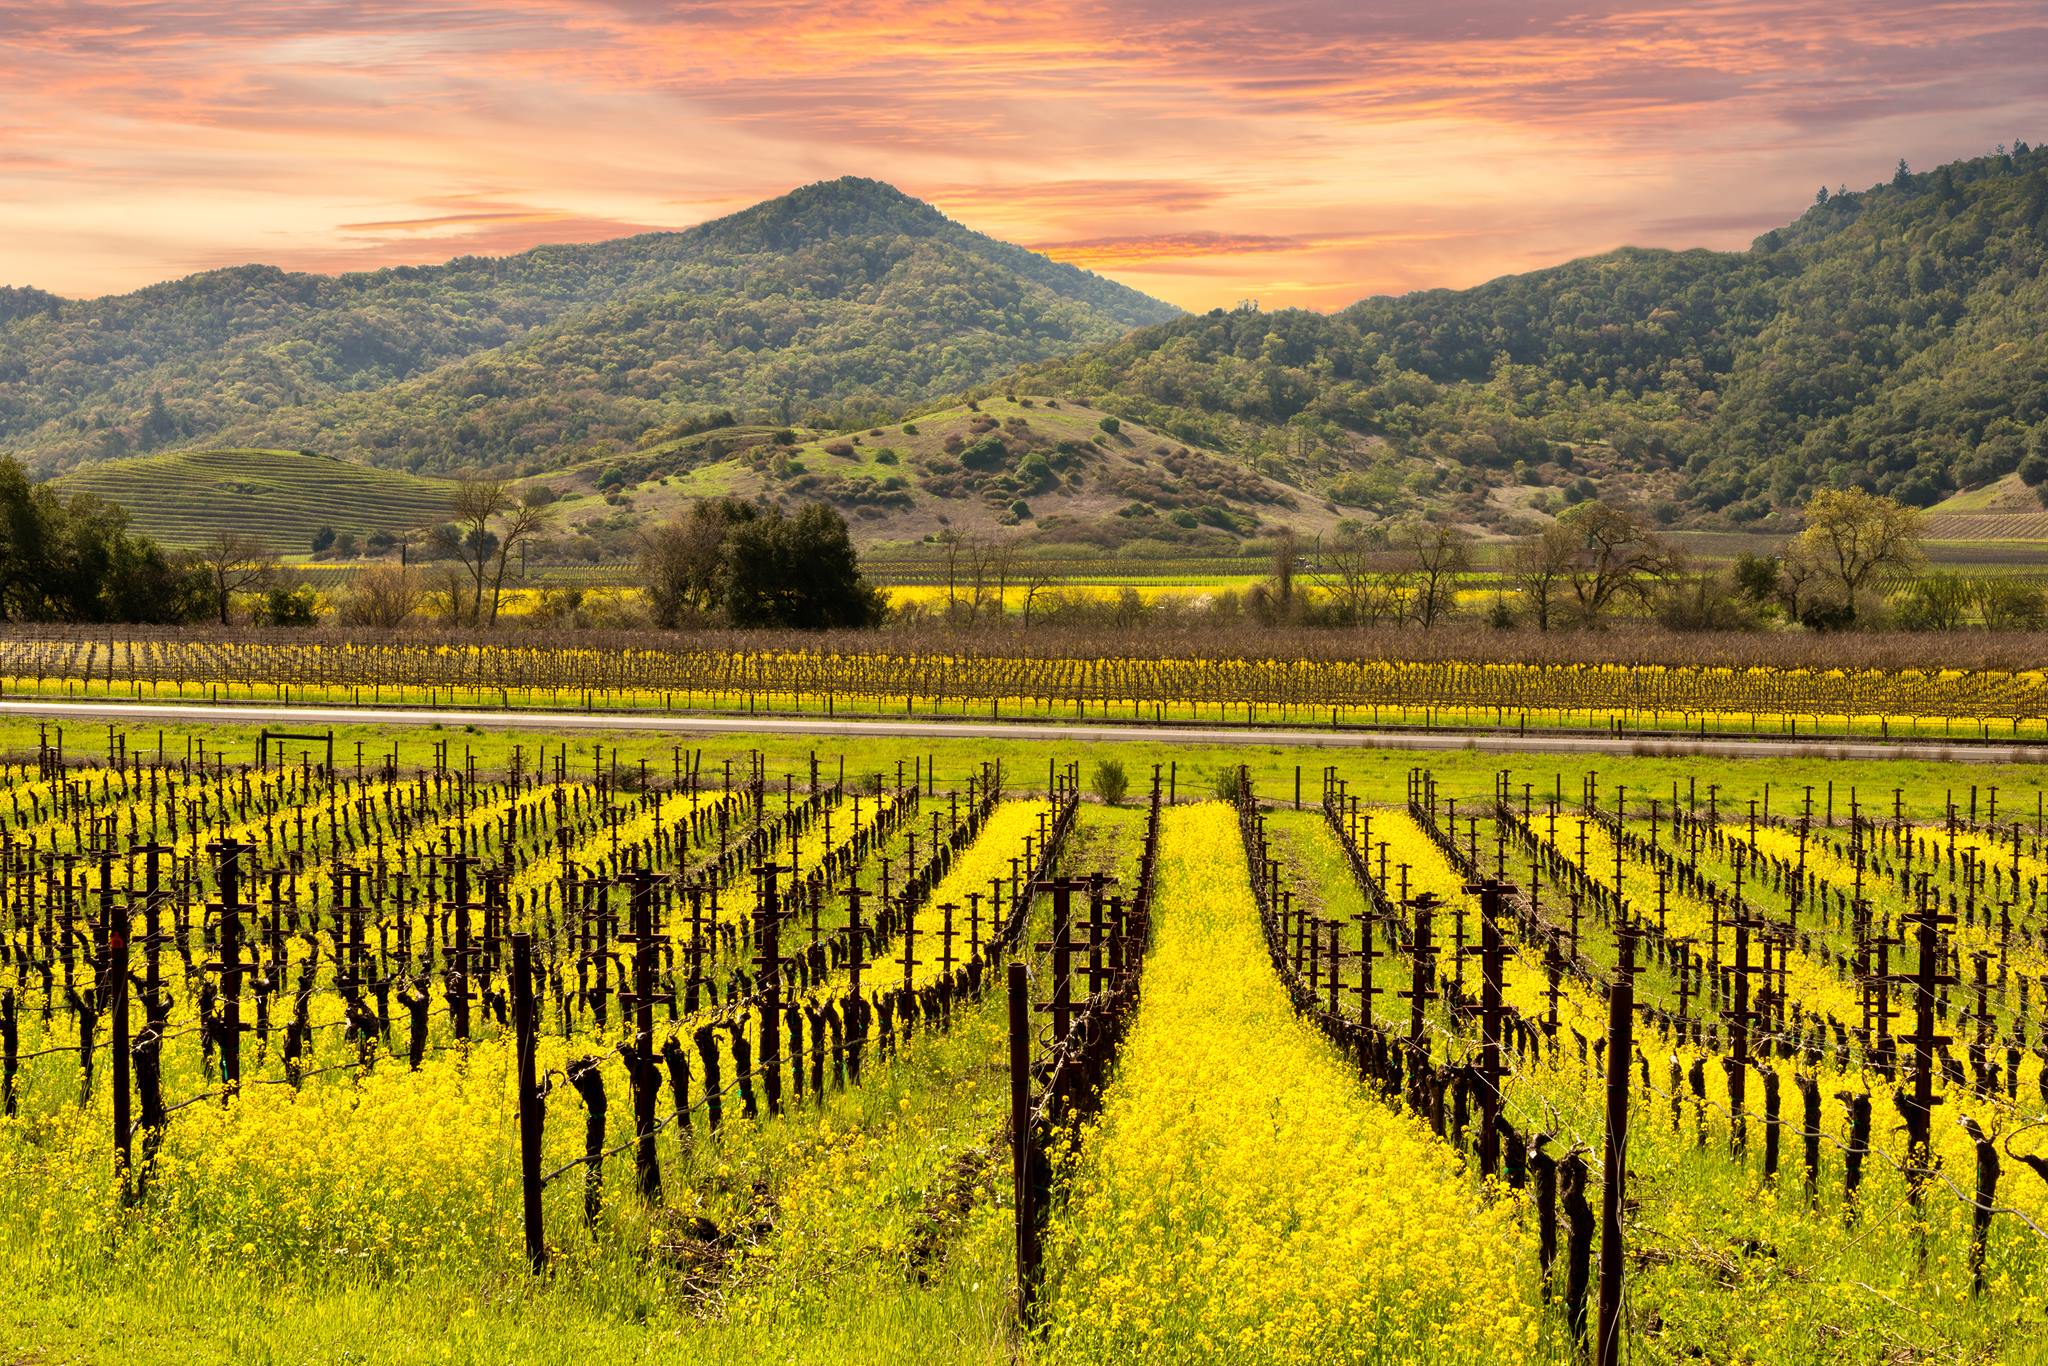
(1989, 526)
(281, 497)
(1646, 698)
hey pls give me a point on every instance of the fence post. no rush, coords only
(230, 879)
(1028, 1251)
(1614, 1161)
(641, 1053)
(1492, 969)
(117, 947)
(526, 1035)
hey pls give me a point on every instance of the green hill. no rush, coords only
(1008, 466)
(840, 301)
(1889, 339)
(283, 497)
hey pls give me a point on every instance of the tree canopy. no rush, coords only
(753, 565)
(74, 560)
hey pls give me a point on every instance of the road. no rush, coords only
(1192, 736)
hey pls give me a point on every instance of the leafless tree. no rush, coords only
(1438, 554)
(524, 521)
(492, 520)
(1538, 565)
(233, 563)
(383, 596)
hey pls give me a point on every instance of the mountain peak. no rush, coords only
(849, 206)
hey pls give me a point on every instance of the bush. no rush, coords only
(1109, 781)
(1225, 782)
(1110, 425)
(291, 606)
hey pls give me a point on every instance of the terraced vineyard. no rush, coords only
(281, 496)
(537, 1050)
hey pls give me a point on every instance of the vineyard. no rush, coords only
(550, 1050)
(634, 673)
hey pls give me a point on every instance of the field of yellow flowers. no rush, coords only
(1241, 1200)
(1246, 1191)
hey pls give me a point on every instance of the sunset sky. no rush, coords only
(1294, 151)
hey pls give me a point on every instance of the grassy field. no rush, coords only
(282, 497)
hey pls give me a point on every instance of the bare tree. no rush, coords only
(1038, 580)
(450, 592)
(679, 561)
(382, 596)
(1538, 564)
(1359, 577)
(478, 503)
(233, 563)
(949, 547)
(1438, 554)
(1286, 559)
(493, 520)
(524, 521)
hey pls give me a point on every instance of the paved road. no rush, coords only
(667, 724)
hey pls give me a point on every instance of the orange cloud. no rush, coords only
(1366, 145)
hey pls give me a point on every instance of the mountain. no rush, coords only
(841, 299)
(1889, 339)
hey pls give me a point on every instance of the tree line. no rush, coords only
(1858, 561)
(723, 563)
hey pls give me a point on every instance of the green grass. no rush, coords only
(282, 496)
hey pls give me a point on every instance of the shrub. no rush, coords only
(1109, 781)
(291, 606)
(1110, 425)
(1225, 783)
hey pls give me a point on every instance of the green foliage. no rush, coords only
(75, 560)
(298, 606)
(843, 297)
(750, 565)
(1108, 781)
(798, 572)
(1888, 339)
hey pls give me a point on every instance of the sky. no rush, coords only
(1296, 152)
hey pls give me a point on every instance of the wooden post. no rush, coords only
(117, 953)
(1614, 1159)
(526, 1035)
(1021, 1157)
(230, 876)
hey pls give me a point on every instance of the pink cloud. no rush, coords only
(1189, 143)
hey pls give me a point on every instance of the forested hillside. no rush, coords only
(1890, 338)
(841, 299)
